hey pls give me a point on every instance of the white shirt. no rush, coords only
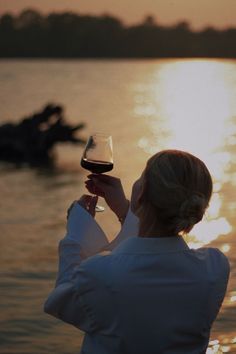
(145, 296)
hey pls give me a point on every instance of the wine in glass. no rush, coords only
(98, 156)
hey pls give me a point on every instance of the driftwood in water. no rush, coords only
(32, 140)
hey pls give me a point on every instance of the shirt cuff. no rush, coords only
(84, 230)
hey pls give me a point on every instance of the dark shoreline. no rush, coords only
(70, 35)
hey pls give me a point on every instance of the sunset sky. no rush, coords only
(199, 13)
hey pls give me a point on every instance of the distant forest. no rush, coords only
(71, 35)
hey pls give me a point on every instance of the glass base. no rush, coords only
(99, 208)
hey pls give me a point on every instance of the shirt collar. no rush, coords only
(148, 245)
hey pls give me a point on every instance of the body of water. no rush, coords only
(147, 106)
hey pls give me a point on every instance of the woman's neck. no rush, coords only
(152, 232)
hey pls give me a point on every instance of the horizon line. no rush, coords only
(127, 23)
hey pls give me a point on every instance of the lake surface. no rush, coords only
(146, 105)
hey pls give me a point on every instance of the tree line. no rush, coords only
(71, 35)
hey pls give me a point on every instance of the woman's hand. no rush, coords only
(109, 188)
(88, 202)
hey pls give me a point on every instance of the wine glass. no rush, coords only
(98, 156)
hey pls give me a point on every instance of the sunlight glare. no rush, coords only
(225, 248)
(190, 110)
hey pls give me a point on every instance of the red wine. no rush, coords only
(96, 166)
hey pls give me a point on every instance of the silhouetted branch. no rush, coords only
(32, 140)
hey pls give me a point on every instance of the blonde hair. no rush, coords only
(175, 194)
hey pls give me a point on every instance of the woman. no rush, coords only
(151, 294)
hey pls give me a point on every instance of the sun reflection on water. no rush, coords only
(217, 347)
(188, 106)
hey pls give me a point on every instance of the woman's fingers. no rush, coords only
(94, 189)
(110, 188)
(103, 178)
(88, 202)
(84, 201)
(92, 205)
(104, 185)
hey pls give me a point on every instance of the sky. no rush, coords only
(199, 13)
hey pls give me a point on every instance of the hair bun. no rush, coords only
(193, 208)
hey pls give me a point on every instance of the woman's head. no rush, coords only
(172, 194)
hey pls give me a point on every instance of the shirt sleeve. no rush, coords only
(68, 301)
(84, 238)
(219, 270)
(83, 229)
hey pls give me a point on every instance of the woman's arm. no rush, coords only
(128, 229)
(110, 188)
(83, 239)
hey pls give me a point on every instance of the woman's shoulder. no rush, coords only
(216, 260)
(96, 264)
(212, 252)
